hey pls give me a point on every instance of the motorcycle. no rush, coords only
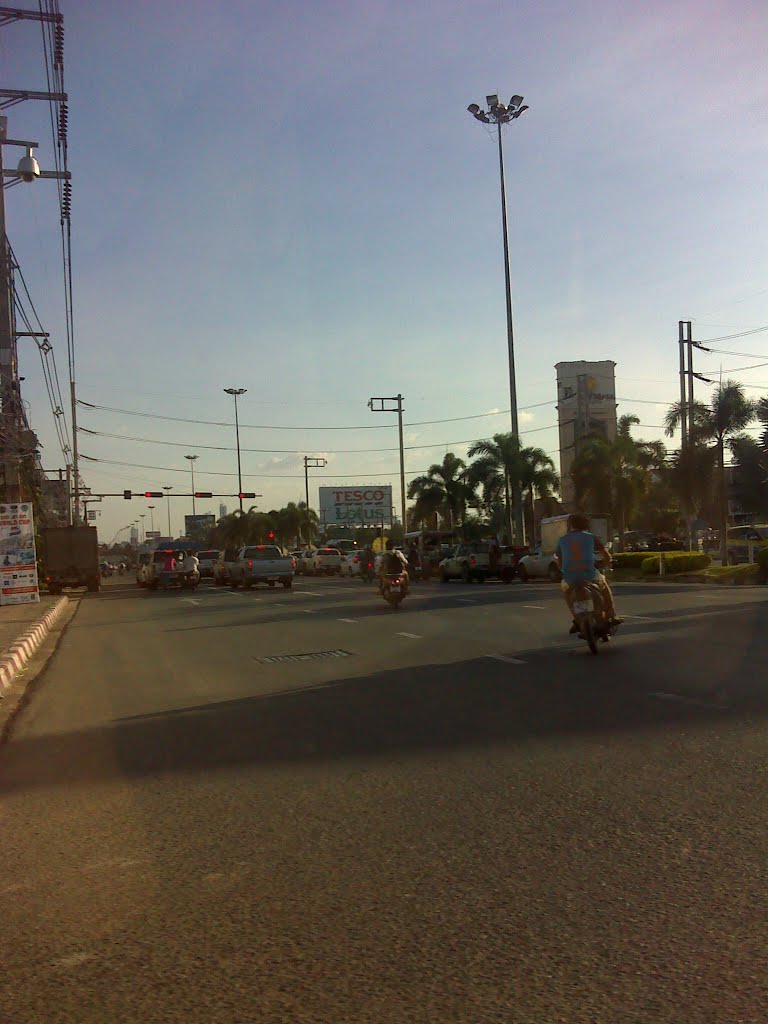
(189, 580)
(367, 572)
(590, 615)
(394, 587)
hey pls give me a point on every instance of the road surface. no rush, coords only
(301, 806)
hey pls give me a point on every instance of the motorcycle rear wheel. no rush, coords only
(587, 630)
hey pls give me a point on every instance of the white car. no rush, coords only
(325, 562)
(352, 563)
(207, 560)
(539, 563)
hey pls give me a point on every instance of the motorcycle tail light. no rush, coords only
(473, 561)
(250, 565)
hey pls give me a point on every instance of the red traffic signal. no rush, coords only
(247, 494)
(153, 494)
(203, 494)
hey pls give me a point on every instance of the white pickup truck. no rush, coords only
(261, 563)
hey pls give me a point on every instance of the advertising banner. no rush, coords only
(194, 525)
(356, 506)
(18, 561)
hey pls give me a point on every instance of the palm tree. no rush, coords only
(499, 466)
(729, 412)
(615, 474)
(444, 488)
(539, 478)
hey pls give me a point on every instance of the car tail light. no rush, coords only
(473, 561)
(250, 565)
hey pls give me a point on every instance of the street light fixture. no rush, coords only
(500, 114)
(378, 405)
(235, 392)
(167, 488)
(192, 459)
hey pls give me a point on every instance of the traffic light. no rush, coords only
(247, 494)
(127, 495)
(153, 494)
(203, 494)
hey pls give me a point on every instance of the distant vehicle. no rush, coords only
(433, 546)
(473, 561)
(207, 560)
(739, 538)
(541, 561)
(70, 556)
(223, 566)
(343, 545)
(106, 569)
(296, 555)
(351, 563)
(155, 574)
(324, 562)
(144, 559)
(261, 563)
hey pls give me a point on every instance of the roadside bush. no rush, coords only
(629, 559)
(738, 574)
(675, 562)
(762, 562)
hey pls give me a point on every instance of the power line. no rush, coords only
(267, 476)
(728, 337)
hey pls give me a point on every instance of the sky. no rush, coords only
(292, 198)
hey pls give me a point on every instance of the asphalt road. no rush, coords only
(449, 813)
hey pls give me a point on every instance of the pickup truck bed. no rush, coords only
(261, 563)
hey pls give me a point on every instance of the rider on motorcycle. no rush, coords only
(393, 563)
(191, 566)
(577, 553)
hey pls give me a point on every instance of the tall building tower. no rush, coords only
(222, 511)
(586, 407)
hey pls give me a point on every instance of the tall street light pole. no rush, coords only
(142, 525)
(310, 462)
(167, 488)
(152, 516)
(191, 459)
(500, 114)
(235, 392)
(394, 405)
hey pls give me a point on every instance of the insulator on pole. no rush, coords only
(58, 44)
(66, 201)
(63, 121)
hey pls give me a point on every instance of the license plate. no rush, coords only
(395, 588)
(582, 607)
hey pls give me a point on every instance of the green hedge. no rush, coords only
(762, 561)
(629, 559)
(674, 562)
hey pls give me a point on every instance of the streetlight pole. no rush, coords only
(167, 488)
(235, 392)
(142, 527)
(191, 459)
(501, 114)
(378, 405)
(310, 462)
(152, 516)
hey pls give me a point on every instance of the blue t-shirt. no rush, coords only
(577, 552)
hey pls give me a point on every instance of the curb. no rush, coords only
(22, 649)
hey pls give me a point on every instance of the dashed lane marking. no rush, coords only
(507, 659)
(467, 600)
(679, 698)
(411, 636)
(308, 611)
(347, 620)
(190, 600)
(539, 607)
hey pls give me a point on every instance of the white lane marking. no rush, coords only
(466, 600)
(73, 960)
(308, 611)
(506, 658)
(411, 636)
(540, 607)
(190, 600)
(640, 618)
(311, 593)
(347, 620)
(679, 698)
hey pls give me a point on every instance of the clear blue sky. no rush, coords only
(292, 198)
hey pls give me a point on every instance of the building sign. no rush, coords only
(194, 525)
(586, 408)
(355, 506)
(18, 560)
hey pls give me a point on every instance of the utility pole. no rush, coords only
(683, 401)
(310, 462)
(378, 405)
(235, 392)
(192, 459)
(167, 488)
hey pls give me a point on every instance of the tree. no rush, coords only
(729, 412)
(500, 467)
(750, 475)
(444, 489)
(614, 475)
(539, 478)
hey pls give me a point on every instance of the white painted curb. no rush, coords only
(22, 649)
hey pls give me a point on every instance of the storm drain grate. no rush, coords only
(315, 656)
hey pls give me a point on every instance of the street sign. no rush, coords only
(356, 506)
(91, 513)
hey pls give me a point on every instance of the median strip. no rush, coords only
(21, 650)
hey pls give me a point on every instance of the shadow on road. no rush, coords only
(471, 703)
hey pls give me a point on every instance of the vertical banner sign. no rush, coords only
(18, 561)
